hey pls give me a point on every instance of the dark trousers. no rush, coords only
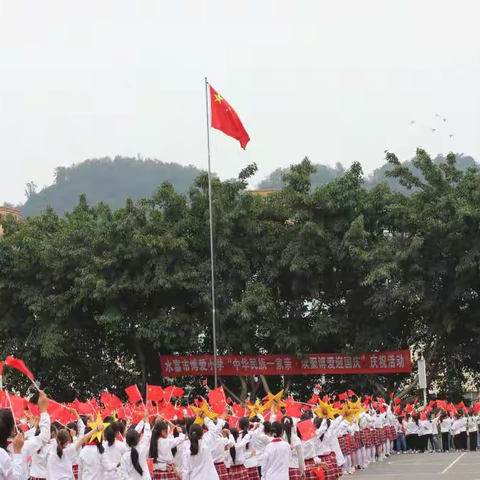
(412, 441)
(473, 441)
(445, 441)
(463, 440)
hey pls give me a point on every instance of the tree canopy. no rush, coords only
(91, 299)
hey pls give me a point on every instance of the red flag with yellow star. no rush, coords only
(225, 118)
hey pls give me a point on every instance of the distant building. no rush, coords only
(265, 192)
(5, 212)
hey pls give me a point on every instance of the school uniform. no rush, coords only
(296, 465)
(199, 466)
(219, 446)
(463, 433)
(126, 470)
(92, 464)
(423, 435)
(61, 468)
(472, 427)
(260, 441)
(11, 466)
(38, 467)
(237, 469)
(445, 429)
(413, 438)
(163, 467)
(114, 454)
(275, 461)
(80, 434)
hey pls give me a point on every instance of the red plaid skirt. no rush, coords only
(346, 444)
(75, 471)
(330, 467)
(309, 464)
(221, 470)
(238, 472)
(253, 473)
(358, 441)
(392, 433)
(294, 474)
(164, 475)
(379, 436)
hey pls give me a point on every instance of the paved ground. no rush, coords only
(427, 466)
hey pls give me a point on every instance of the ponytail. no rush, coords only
(63, 439)
(277, 429)
(111, 433)
(132, 439)
(7, 424)
(175, 435)
(233, 451)
(196, 433)
(156, 434)
(136, 464)
(287, 428)
(59, 451)
(244, 423)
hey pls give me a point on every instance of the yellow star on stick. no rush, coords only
(325, 410)
(275, 400)
(203, 412)
(255, 408)
(96, 424)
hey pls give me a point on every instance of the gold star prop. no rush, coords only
(203, 412)
(96, 424)
(325, 410)
(275, 400)
(255, 408)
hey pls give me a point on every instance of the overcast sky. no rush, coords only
(334, 80)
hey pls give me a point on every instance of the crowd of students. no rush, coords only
(321, 443)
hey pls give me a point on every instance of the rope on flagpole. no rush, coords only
(212, 258)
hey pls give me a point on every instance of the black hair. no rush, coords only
(122, 426)
(72, 426)
(267, 428)
(277, 429)
(196, 433)
(98, 443)
(243, 424)
(63, 439)
(132, 439)
(188, 423)
(175, 435)
(156, 434)
(7, 425)
(287, 423)
(109, 419)
(111, 434)
(233, 451)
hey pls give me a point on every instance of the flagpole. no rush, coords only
(212, 262)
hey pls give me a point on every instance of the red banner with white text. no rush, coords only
(312, 364)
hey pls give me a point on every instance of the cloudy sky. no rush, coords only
(334, 80)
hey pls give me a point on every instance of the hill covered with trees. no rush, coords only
(106, 180)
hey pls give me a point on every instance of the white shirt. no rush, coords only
(472, 424)
(275, 461)
(433, 427)
(462, 424)
(446, 425)
(199, 466)
(296, 452)
(164, 446)
(240, 449)
(38, 467)
(61, 468)
(126, 470)
(93, 464)
(34, 444)
(413, 427)
(114, 454)
(11, 467)
(425, 428)
(260, 441)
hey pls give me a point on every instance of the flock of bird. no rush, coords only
(434, 130)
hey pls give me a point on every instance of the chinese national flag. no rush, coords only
(20, 366)
(154, 393)
(173, 391)
(134, 394)
(225, 119)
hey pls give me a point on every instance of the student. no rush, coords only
(161, 446)
(413, 438)
(446, 424)
(424, 434)
(38, 468)
(198, 463)
(462, 428)
(276, 458)
(34, 443)
(238, 452)
(11, 466)
(219, 440)
(114, 449)
(60, 460)
(296, 467)
(472, 427)
(92, 461)
(251, 461)
(133, 465)
(401, 443)
(77, 430)
(433, 423)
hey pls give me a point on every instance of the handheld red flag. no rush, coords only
(225, 119)
(20, 366)
(134, 394)
(342, 396)
(306, 429)
(172, 391)
(398, 401)
(351, 393)
(154, 393)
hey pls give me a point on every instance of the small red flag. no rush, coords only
(398, 401)
(342, 396)
(134, 394)
(154, 393)
(173, 391)
(318, 387)
(20, 366)
(204, 383)
(306, 429)
(391, 395)
(216, 396)
(1, 368)
(225, 119)
(351, 393)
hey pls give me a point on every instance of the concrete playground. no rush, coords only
(427, 466)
